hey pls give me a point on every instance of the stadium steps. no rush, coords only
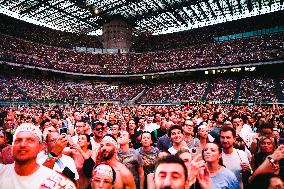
(208, 88)
(238, 89)
(132, 101)
(277, 86)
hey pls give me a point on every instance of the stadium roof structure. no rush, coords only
(153, 16)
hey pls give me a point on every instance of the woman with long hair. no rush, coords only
(80, 152)
(221, 177)
(266, 147)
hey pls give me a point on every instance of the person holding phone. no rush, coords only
(81, 151)
(54, 158)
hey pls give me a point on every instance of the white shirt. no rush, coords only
(64, 161)
(232, 162)
(151, 127)
(95, 145)
(247, 134)
(9, 179)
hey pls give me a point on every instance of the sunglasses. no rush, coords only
(99, 129)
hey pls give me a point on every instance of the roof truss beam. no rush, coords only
(220, 8)
(210, 8)
(202, 11)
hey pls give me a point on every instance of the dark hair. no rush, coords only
(215, 115)
(8, 136)
(244, 118)
(262, 181)
(227, 128)
(235, 117)
(95, 124)
(113, 172)
(146, 132)
(75, 112)
(266, 126)
(88, 140)
(43, 122)
(219, 150)
(173, 159)
(174, 127)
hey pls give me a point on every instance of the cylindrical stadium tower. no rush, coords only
(117, 34)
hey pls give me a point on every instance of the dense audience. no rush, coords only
(168, 92)
(257, 90)
(147, 42)
(222, 90)
(83, 145)
(44, 35)
(252, 89)
(281, 82)
(25, 88)
(204, 146)
(239, 51)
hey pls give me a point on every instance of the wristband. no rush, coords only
(271, 160)
(51, 158)
(53, 154)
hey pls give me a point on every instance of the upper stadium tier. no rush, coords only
(254, 50)
(144, 16)
(249, 41)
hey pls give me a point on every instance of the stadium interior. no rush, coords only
(236, 61)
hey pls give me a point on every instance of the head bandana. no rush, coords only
(111, 140)
(104, 170)
(202, 127)
(28, 127)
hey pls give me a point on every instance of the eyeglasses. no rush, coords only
(188, 125)
(99, 129)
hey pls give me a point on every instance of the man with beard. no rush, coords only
(25, 173)
(108, 153)
(170, 173)
(98, 129)
(234, 159)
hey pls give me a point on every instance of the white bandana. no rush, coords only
(202, 127)
(111, 140)
(29, 127)
(104, 170)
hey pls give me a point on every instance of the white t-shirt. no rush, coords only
(95, 145)
(65, 161)
(247, 134)
(232, 162)
(151, 127)
(173, 151)
(44, 176)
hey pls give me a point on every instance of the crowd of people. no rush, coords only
(44, 35)
(147, 42)
(223, 90)
(257, 89)
(169, 91)
(238, 51)
(33, 88)
(152, 147)
(252, 89)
